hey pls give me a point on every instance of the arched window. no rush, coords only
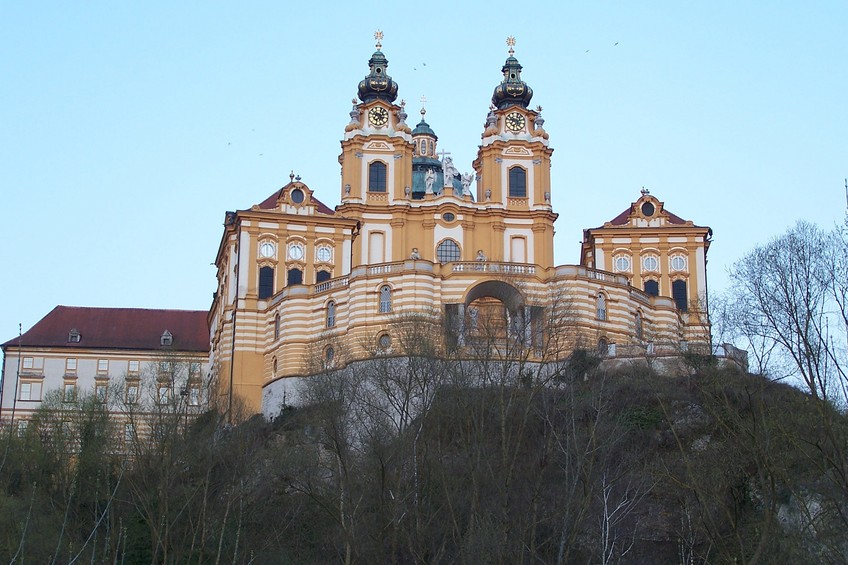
(447, 251)
(331, 314)
(276, 327)
(385, 299)
(295, 276)
(266, 282)
(377, 176)
(680, 296)
(275, 366)
(517, 182)
(652, 287)
(322, 276)
(603, 347)
(601, 307)
(329, 355)
(638, 323)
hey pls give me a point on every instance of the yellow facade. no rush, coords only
(301, 286)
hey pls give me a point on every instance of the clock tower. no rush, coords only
(513, 167)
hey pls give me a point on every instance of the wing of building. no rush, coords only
(129, 358)
(303, 287)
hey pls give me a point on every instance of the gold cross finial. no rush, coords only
(378, 35)
(511, 42)
(423, 102)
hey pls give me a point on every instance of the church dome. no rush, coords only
(378, 85)
(423, 128)
(512, 91)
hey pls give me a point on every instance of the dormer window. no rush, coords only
(297, 196)
(73, 336)
(166, 339)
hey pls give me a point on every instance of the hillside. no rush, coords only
(588, 467)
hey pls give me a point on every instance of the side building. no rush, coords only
(134, 361)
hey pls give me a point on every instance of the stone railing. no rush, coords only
(596, 274)
(340, 282)
(515, 269)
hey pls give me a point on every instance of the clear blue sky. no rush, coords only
(128, 129)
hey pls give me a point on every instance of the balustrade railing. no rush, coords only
(494, 267)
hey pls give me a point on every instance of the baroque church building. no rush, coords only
(303, 288)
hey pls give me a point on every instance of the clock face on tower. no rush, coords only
(378, 116)
(514, 122)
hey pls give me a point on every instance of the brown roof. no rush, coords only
(118, 328)
(271, 202)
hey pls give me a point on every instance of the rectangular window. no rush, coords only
(194, 368)
(26, 391)
(194, 396)
(102, 365)
(132, 393)
(71, 365)
(518, 249)
(164, 394)
(22, 427)
(164, 366)
(133, 367)
(70, 392)
(28, 363)
(100, 392)
(129, 433)
(376, 247)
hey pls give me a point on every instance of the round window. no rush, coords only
(267, 250)
(650, 263)
(297, 196)
(448, 217)
(678, 263)
(622, 263)
(648, 209)
(384, 341)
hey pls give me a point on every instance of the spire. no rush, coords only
(423, 128)
(512, 91)
(378, 85)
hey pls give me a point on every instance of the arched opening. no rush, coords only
(377, 176)
(639, 325)
(601, 307)
(331, 314)
(266, 282)
(448, 251)
(295, 276)
(680, 296)
(652, 288)
(517, 182)
(385, 299)
(494, 315)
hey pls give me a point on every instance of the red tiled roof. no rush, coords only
(118, 328)
(271, 202)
